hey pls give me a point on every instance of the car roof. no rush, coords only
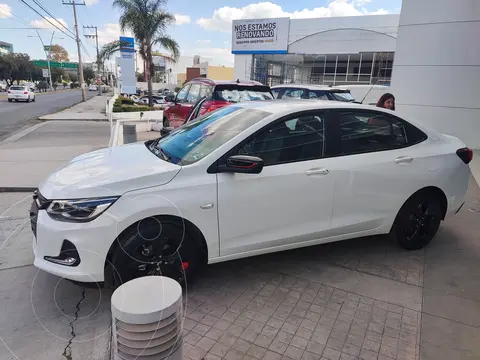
(290, 106)
(226, 82)
(307, 86)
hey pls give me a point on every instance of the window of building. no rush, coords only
(292, 140)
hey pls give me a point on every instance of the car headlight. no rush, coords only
(79, 210)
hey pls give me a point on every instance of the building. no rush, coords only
(342, 50)
(189, 67)
(5, 48)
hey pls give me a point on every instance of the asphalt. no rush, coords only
(14, 116)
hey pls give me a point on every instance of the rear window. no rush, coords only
(342, 96)
(17, 88)
(238, 93)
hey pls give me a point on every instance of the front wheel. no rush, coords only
(9, 100)
(156, 246)
(417, 221)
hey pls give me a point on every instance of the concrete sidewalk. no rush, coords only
(93, 110)
(28, 157)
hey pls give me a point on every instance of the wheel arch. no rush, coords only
(189, 227)
(435, 191)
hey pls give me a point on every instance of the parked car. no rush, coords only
(315, 92)
(157, 100)
(92, 87)
(218, 93)
(247, 179)
(366, 94)
(20, 92)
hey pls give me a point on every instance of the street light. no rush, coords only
(47, 54)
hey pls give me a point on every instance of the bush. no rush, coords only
(54, 85)
(74, 85)
(125, 101)
(118, 107)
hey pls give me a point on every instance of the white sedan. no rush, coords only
(20, 92)
(245, 180)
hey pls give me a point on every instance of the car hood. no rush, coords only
(108, 172)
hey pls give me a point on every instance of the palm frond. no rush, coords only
(170, 44)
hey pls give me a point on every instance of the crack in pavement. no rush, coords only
(67, 352)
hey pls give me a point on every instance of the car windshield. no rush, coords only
(195, 140)
(17, 88)
(238, 93)
(343, 96)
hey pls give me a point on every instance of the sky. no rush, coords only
(202, 27)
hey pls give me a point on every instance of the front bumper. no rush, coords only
(92, 241)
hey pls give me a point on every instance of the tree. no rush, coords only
(15, 67)
(73, 77)
(57, 75)
(148, 21)
(88, 75)
(58, 53)
(140, 77)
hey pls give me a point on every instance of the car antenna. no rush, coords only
(368, 92)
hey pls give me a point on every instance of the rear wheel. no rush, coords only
(33, 100)
(418, 221)
(157, 246)
(9, 100)
(28, 99)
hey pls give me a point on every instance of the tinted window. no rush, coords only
(17, 88)
(238, 93)
(205, 90)
(275, 92)
(196, 139)
(317, 94)
(293, 94)
(342, 96)
(366, 132)
(193, 94)
(182, 94)
(296, 139)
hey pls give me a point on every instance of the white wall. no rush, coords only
(242, 64)
(436, 73)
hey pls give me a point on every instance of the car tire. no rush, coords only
(9, 100)
(156, 246)
(166, 123)
(33, 100)
(16, 100)
(28, 99)
(417, 221)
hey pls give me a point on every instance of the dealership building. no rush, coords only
(429, 55)
(337, 51)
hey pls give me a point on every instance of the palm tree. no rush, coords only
(148, 21)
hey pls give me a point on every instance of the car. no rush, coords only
(366, 94)
(219, 93)
(244, 180)
(312, 92)
(20, 92)
(92, 87)
(157, 100)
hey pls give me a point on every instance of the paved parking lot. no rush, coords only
(358, 299)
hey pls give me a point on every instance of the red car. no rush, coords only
(218, 94)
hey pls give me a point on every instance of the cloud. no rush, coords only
(221, 19)
(44, 24)
(182, 19)
(203, 42)
(90, 2)
(5, 11)
(110, 32)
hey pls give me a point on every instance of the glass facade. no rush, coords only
(329, 69)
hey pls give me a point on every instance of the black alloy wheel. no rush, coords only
(418, 221)
(156, 247)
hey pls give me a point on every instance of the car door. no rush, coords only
(290, 201)
(174, 111)
(190, 101)
(376, 169)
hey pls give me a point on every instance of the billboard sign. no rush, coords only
(260, 36)
(127, 47)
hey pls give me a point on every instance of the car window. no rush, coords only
(342, 96)
(17, 88)
(296, 139)
(196, 139)
(293, 94)
(275, 93)
(317, 94)
(237, 93)
(366, 132)
(182, 94)
(193, 93)
(205, 90)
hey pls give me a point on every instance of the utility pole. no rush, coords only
(98, 53)
(80, 65)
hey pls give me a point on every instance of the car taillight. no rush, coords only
(25, 92)
(465, 154)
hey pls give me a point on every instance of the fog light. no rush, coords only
(68, 255)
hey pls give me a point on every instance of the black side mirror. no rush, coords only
(243, 164)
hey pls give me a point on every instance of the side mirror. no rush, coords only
(243, 164)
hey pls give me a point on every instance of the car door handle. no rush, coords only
(317, 171)
(403, 160)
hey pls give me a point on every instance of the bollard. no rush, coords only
(147, 320)
(129, 133)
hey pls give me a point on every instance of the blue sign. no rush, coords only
(127, 44)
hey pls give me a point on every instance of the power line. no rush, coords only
(59, 29)
(53, 17)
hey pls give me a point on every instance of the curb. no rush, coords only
(16, 189)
